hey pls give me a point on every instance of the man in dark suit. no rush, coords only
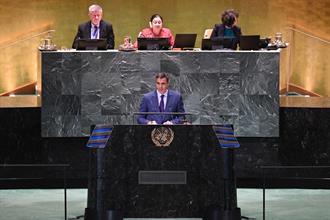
(96, 28)
(161, 100)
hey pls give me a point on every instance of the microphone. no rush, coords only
(178, 116)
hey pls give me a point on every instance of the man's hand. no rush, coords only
(152, 123)
(168, 123)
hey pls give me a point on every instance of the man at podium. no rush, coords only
(160, 103)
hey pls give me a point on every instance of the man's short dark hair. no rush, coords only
(162, 76)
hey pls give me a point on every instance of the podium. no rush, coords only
(139, 171)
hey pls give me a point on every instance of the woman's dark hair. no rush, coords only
(155, 16)
(228, 19)
(232, 11)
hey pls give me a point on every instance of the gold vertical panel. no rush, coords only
(22, 20)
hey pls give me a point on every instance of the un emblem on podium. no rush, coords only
(162, 136)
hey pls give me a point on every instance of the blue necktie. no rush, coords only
(161, 104)
(95, 32)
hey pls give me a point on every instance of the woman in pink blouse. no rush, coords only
(155, 30)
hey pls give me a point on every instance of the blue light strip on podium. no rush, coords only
(100, 136)
(226, 137)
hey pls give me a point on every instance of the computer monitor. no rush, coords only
(91, 44)
(185, 41)
(263, 43)
(218, 44)
(249, 42)
(162, 43)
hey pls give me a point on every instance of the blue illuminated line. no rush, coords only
(224, 132)
(229, 145)
(102, 130)
(98, 141)
(96, 145)
(227, 138)
(225, 135)
(227, 125)
(99, 137)
(224, 143)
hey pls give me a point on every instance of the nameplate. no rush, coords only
(154, 177)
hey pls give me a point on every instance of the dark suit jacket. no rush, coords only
(106, 32)
(219, 31)
(149, 103)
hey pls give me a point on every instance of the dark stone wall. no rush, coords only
(219, 87)
(21, 143)
(304, 140)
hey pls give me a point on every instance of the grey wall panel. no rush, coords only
(96, 87)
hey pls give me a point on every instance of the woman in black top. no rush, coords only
(228, 32)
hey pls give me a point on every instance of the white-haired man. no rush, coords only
(96, 28)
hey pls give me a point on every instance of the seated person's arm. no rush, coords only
(135, 45)
(171, 39)
(110, 38)
(214, 35)
(217, 33)
(238, 33)
(78, 36)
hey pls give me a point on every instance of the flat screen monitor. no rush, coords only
(185, 41)
(91, 44)
(153, 43)
(218, 44)
(249, 42)
(263, 43)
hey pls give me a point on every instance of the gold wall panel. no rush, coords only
(309, 57)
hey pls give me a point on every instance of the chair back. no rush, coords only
(207, 34)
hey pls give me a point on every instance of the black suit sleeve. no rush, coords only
(78, 36)
(217, 33)
(110, 37)
(238, 32)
